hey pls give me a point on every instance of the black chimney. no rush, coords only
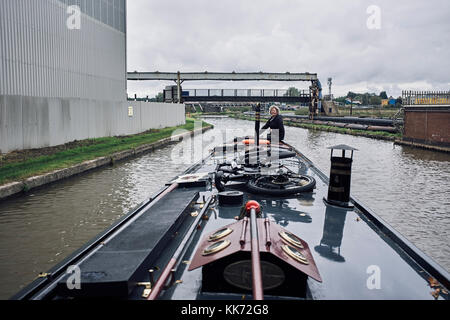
(340, 177)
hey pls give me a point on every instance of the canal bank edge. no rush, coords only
(319, 127)
(15, 188)
(375, 134)
(422, 146)
(355, 132)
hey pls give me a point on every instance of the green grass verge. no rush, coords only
(357, 112)
(374, 134)
(101, 147)
(385, 112)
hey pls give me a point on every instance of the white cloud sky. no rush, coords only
(411, 50)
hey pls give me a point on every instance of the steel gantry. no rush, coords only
(180, 77)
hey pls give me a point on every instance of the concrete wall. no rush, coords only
(34, 122)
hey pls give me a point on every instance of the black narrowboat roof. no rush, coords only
(350, 246)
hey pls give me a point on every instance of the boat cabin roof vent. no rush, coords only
(344, 148)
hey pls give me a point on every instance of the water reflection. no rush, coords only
(415, 154)
(333, 232)
(407, 187)
(307, 200)
(282, 211)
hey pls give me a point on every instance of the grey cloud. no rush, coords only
(326, 37)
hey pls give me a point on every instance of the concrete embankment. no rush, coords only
(19, 187)
(422, 146)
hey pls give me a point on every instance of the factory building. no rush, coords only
(63, 75)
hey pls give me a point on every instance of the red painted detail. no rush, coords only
(159, 285)
(252, 205)
(275, 248)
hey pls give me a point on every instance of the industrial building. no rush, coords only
(63, 75)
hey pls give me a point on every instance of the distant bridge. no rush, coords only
(244, 95)
(221, 76)
(180, 77)
(175, 93)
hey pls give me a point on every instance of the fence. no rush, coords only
(244, 93)
(412, 98)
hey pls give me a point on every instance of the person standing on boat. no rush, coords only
(275, 122)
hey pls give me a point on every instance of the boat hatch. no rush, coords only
(226, 260)
(192, 180)
(118, 263)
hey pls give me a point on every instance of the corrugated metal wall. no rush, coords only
(30, 122)
(58, 84)
(41, 57)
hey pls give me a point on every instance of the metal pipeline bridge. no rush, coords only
(176, 93)
(221, 76)
(245, 95)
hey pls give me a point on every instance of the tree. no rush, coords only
(365, 99)
(383, 95)
(351, 96)
(340, 99)
(159, 97)
(375, 100)
(292, 92)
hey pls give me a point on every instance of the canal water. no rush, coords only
(409, 188)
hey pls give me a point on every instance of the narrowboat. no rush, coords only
(253, 220)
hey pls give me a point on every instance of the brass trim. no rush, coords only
(147, 290)
(295, 254)
(194, 214)
(337, 190)
(341, 172)
(291, 239)
(222, 233)
(216, 247)
(303, 182)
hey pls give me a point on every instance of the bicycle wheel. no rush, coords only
(270, 186)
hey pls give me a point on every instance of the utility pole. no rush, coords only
(179, 87)
(351, 106)
(330, 82)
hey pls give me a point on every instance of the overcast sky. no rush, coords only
(333, 38)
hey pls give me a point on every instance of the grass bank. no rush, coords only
(382, 112)
(385, 112)
(24, 164)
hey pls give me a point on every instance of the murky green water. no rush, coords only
(409, 188)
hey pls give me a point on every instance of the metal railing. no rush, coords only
(244, 93)
(412, 98)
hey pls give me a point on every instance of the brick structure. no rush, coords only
(427, 124)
